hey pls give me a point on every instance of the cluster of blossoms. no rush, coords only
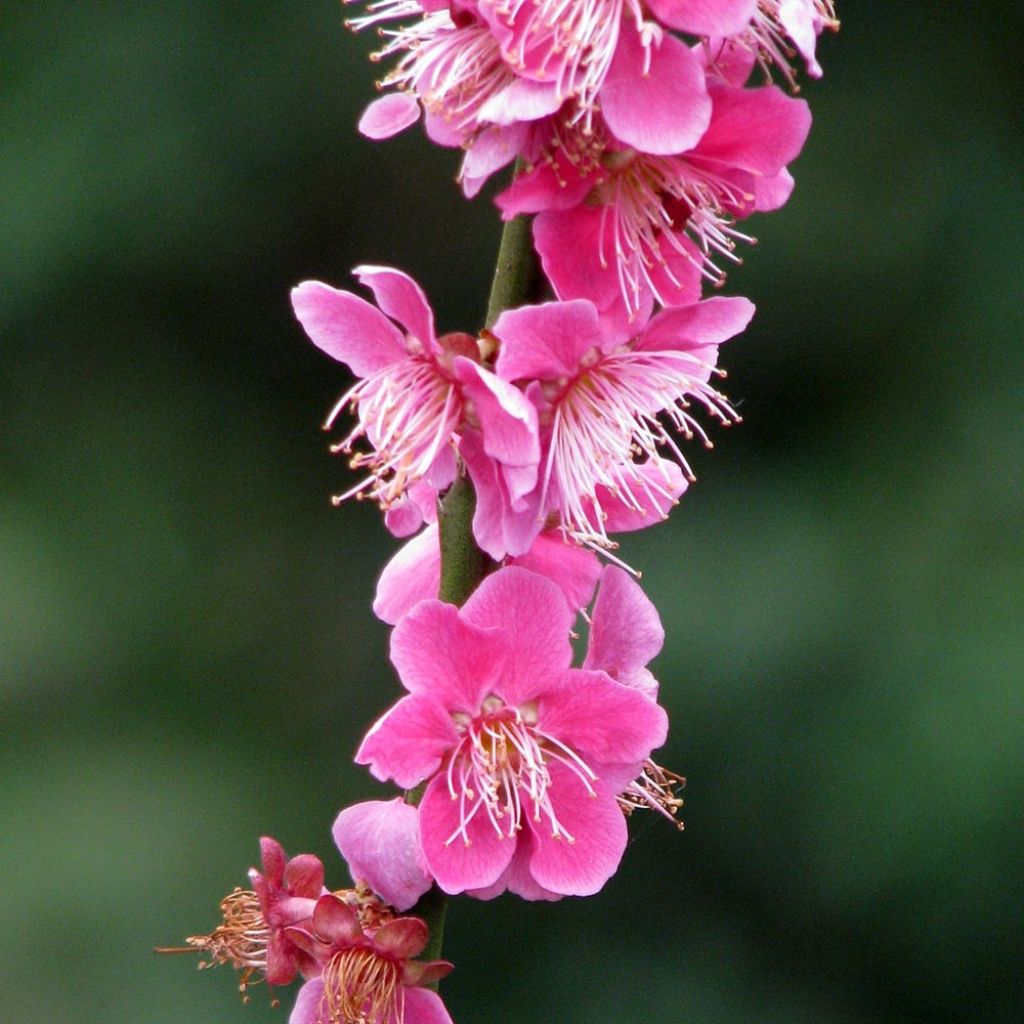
(638, 148)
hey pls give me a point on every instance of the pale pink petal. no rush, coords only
(404, 517)
(625, 630)
(401, 297)
(412, 575)
(422, 1006)
(797, 18)
(598, 828)
(308, 1003)
(534, 611)
(757, 130)
(601, 719)
(491, 150)
(408, 742)
(473, 861)
(773, 193)
(379, 840)
(575, 570)
(546, 342)
(389, 115)
(439, 651)
(347, 327)
(704, 17)
(523, 100)
(508, 420)
(439, 129)
(663, 108)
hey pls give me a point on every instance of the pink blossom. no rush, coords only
(523, 756)
(617, 224)
(418, 395)
(779, 22)
(604, 395)
(414, 573)
(367, 974)
(379, 840)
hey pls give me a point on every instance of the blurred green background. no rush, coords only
(187, 653)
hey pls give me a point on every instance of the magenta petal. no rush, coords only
(336, 923)
(389, 115)
(554, 185)
(663, 484)
(535, 613)
(401, 297)
(407, 743)
(491, 150)
(304, 876)
(459, 865)
(308, 1003)
(404, 517)
(756, 130)
(422, 1007)
(438, 651)
(379, 840)
(573, 569)
(347, 328)
(402, 938)
(704, 17)
(689, 328)
(772, 193)
(601, 719)
(625, 629)
(598, 828)
(273, 859)
(412, 575)
(665, 109)
(508, 420)
(677, 274)
(546, 342)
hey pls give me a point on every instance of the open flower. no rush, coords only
(367, 975)
(417, 394)
(523, 756)
(605, 394)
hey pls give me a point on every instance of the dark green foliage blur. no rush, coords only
(187, 652)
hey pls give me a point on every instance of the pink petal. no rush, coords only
(661, 109)
(757, 130)
(308, 1003)
(407, 743)
(335, 922)
(444, 654)
(457, 866)
(522, 100)
(538, 619)
(304, 876)
(625, 630)
(281, 965)
(555, 184)
(677, 276)
(379, 840)
(601, 719)
(598, 828)
(401, 298)
(412, 575)
(389, 115)
(665, 482)
(773, 193)
(546, 342)
(702, 324)
(402, 938)
(491, 150)
(347, 328)
(422, 1007)
(508, 421)
(404, 517)
(273, 859)
(704, 17)
(797, 18)
(572, 568)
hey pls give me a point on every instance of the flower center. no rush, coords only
(501, 769)
(361, 987)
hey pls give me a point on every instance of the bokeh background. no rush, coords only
(187, 653)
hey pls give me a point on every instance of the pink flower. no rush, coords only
(603, 395)
(414, 573)
(777, 22)
(523, 756)
(418, 395)
(367, 974)
(617, 224)
(380, 843)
